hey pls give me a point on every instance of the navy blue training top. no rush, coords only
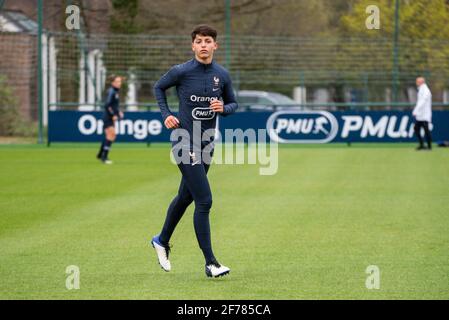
(196, 85)
(111, 106)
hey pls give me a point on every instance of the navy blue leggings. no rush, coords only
(194, 187)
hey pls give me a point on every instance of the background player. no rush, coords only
(111, 114)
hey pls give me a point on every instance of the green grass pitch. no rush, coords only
(308, 232)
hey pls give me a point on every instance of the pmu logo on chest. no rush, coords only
(203, 113)
(302, 127)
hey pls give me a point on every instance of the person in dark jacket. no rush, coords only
(205, 91)
(111, 114)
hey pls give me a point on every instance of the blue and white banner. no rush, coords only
(78, 126)
(282, 126)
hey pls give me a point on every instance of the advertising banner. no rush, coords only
(281, 127)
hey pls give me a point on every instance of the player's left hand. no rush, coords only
(121, 115)
(217, 106)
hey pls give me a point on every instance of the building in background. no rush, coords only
(18, 61)
(18, 49)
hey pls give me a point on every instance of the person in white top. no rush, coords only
(423, 113)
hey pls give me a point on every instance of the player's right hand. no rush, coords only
(171, 122)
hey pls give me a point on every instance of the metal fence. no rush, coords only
(351, 71)
(363, 66)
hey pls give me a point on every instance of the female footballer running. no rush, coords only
(204, 90)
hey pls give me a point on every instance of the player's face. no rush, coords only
(204, 47)
(117, 83)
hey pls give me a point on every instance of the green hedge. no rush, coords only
(11, 121)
